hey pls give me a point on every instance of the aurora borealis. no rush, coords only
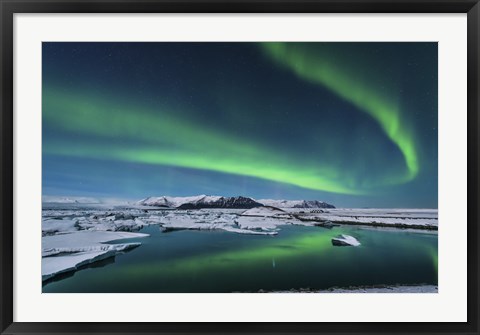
(323, 68)
(354, 124)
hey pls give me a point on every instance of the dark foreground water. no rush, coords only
(298, 257)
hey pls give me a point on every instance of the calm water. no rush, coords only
(298, 257)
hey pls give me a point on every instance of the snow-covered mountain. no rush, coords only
(222, 202)
(209, 201)
(295, 203)
(200, 201)
(172, 202)
(69, 200)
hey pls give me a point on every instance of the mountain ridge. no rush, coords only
(208, 201)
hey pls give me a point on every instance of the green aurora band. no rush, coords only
(165, 140)
(328, 71)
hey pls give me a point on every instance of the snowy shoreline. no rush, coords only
(397, 218)
(366, 289)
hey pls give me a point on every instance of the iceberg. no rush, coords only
(345, 240)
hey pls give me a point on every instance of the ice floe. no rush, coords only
(345, 240)
(68, 251)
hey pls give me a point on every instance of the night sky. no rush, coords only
(353, 124)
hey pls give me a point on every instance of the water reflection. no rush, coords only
(217, 261)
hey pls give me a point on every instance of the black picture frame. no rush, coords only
(10, 7)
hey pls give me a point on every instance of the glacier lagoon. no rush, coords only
(297, 258)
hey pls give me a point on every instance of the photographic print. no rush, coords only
(239, 167)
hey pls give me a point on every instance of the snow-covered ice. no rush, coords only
(83, 238)
(68, 251)
(51, 226)
(345, 240)
(267, 211)
(401, 218)
(248, 231)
